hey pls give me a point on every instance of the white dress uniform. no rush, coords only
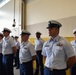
(74, 45)
(7, 45)
(39, 60)
(57, 52)
(17, 44)
(26, 52)
(17, 54)
(39, 44)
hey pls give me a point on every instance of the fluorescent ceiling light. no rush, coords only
(3, 2)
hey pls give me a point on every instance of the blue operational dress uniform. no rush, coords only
(25, 56)
(39, 60)
(1, 65)
(57, 51)
(7, 52)
(73, 43)
(17, 53)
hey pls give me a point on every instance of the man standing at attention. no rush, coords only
(1, 65)
(38, 48)
(73, 68)
(8, 49)
(17, 53)
(57, 51)
(27, 54)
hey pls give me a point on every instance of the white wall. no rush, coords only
(44, 10)
(68, 24)
(40, 11)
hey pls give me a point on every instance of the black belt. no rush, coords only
(26, 62)
(7, 54)
(51, 69)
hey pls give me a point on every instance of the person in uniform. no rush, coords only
(26, 55)
(38, 48)
(13, 37)
(17, 53)
(58, 52)
(14, 58)
(8, 49)
(1, 65)
(73, 68)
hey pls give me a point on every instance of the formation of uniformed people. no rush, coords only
(38, 48)
(73, 68)
(59, 54)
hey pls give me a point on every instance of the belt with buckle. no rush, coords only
(51, 69)
(22, 62)
(25, 62)
(7, 54)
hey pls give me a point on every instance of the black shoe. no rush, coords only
(17, 67)
(14, 65)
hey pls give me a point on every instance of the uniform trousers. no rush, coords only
(14, 59)
(8, 64)
(73, 69)
(39, 63)
(17, 58)
(26, 68)
(47, 71)
(1, 65)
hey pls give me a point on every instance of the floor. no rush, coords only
(16, 71)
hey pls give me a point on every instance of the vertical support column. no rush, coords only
(23, 14)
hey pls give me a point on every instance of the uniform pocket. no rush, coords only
(24, 50)
(58, 50)
(58, 47)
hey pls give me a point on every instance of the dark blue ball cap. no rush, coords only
(53, 23)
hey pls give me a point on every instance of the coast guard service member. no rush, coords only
(57, 51)
(26, 55)
(73, 68)
(17, 53)
(8, 49)
(1, 65)
(38, 48)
